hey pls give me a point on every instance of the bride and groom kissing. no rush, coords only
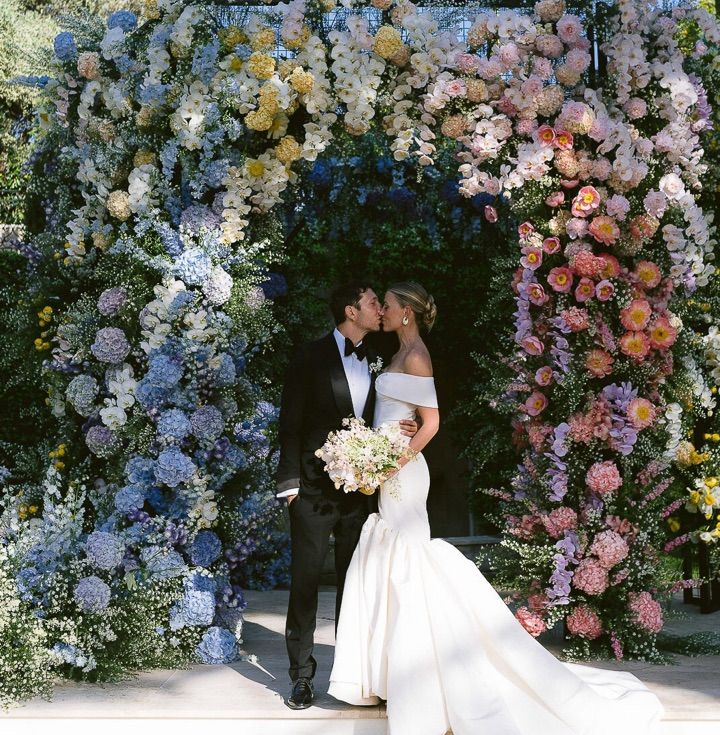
(417, 624)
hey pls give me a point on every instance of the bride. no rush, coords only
(422, 628)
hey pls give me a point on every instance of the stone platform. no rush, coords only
(243, 700)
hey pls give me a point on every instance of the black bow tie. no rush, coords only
(350, 348)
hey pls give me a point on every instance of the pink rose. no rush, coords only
(456, 88)
(555, 199)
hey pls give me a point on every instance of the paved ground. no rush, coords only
(244, 695)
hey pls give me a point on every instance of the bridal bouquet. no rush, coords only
(358, 456)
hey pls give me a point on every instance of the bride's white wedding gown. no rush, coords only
(423, 629)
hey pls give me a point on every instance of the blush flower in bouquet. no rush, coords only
(359, 457)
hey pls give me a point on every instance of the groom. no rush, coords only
(328, 380)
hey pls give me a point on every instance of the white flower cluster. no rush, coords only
(121, 385)
(711, 343)
(672, 419)
(156, 318)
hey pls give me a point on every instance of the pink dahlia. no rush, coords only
(583, 621)
(603, 478)
(590, 576)
(531, 621)
(635, 345)
(636, 315)
(648, 273)
(647, 612)
(586, 202)
(560, 279)
(641, 413)
(559, 520)
(599, 363)
(536, 403)
(605, 230)
(610, 548)
(662, 334)
(604, 290)
(585, 290)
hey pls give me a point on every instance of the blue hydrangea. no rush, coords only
(110, 345)
(156, 385)
(173, 467)
(201, 583)
(163, 563)
(225, 374)
(205, 60)
(207, 423)
(130, 497)
(199, 216)
(193, 608)
(193, 266)
(92, 594)
(205, 549)
(104, 550)
(64, 45)
(173, 425)
(111, 300)
(69, 654)
(101, 441)
(81, 392)
(140, 471)
(125, 19)
(123, 63)
(218, 646)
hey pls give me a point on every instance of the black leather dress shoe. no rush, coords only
(302, 694)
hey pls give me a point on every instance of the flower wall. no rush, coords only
(165, 144)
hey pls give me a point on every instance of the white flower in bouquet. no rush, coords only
(358, 457)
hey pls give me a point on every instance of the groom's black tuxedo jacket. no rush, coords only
(315, 399)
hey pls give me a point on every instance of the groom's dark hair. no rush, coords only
(347, 294)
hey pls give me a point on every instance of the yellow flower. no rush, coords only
(301, 81)
(142, 157)
(388, 42)
(255, 168)
(711, 482)
(47, 309)
(709, 499)
(297, 41)
(59, 465)
(236, 63)
(695, 497)
(288, 150)
(258, 120)
(232, 36)
(261, 65)
(263, 40)
(33, 509)
(673, 524)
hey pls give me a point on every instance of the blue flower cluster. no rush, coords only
(193, 266)
(110, 345)
(64, 46)
(129, 498)
(218, 646)
(207, 423)
(81, 392)
(195, 607)
(72, 655)
(205, 549)
(162, 563)
(92, 594)
(155, 387)
(101, 441)
(125, 19)
(225, 374)
(104, 550)
(140, 471)
(173, 425)
(173, 467)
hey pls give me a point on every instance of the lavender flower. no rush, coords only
(92, 594)
(104, 550)
(110, 345)
(559, 592)
(207, 423)
(101, 441)
(111, 300)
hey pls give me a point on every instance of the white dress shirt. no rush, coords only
(358, 378)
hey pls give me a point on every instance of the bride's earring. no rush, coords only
(405, 321)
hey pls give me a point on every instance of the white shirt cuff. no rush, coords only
(288, 493)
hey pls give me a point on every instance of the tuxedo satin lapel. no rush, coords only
(340, 387)
(369, 408)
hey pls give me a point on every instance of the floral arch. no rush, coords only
(165, 144)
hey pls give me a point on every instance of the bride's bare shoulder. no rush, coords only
(418, 362)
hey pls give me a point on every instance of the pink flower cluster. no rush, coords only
(531, 621)
(646, 612)
(603, 478)
(590, 576)
(559, 520)
(610, 548)
(583, 621)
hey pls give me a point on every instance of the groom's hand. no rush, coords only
(408, 427)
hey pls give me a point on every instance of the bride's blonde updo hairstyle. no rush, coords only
(413, 295)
